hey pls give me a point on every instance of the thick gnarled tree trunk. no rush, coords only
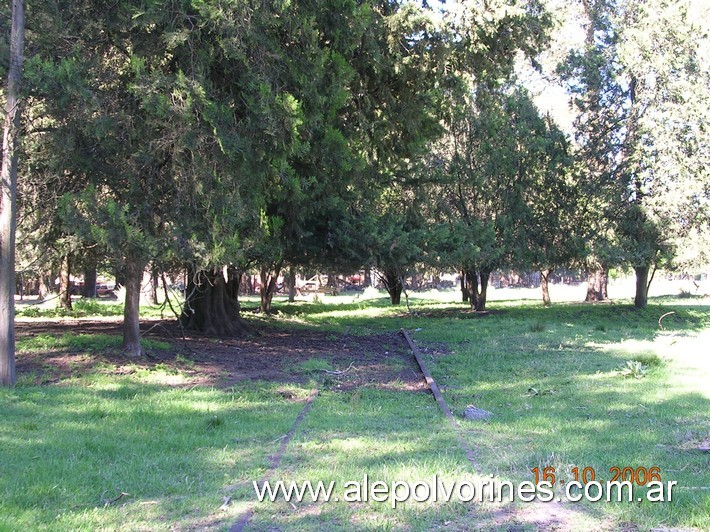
(476, 283)
(154, 285)
(368, 277)
(483, 293)
(208, 307)
(597, 283)
(393, 284)
(44, 285)
(464, 287)
(291, 284)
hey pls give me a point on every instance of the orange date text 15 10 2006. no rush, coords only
(636, 475)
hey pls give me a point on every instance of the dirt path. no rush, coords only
(381, 360)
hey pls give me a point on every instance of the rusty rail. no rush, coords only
(431, 383)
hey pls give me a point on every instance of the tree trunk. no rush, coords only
(545, 284)
(477, 293)
(209, 309)
(45, 285)
(291, 284)
(234, 282)
(393, 285)
(153, 291)
(133, 271)
(65, 284)
(368, 277)
(597, 284)
(471, 285)
(464, 289)
(8, 190)
(89, 289)
(641, 299)
(268, 279)
(483, 294)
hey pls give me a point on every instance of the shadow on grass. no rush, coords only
(65, 451)
(376, 315)
(559, 400)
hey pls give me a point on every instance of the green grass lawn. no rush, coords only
(552, 379)
(66, 451)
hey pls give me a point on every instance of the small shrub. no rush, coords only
(29, 312)
(633, 370)
(93, 307)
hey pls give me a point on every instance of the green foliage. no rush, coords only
(633, 370)
(639, 106)
(80, 309)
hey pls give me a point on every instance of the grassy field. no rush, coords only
(596, 386)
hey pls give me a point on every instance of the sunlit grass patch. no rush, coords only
(372, 433)
(312, 365)
(561, 401)
(84, 308)
(550, 377)
(81, 342)
(66, 451)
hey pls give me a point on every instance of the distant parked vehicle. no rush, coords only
(103, 289)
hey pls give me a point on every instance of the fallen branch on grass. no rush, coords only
(108, 502)
(330, 372)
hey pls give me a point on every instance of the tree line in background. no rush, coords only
(220, 138)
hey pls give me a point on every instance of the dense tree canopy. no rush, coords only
(640, 90)
(220, 138)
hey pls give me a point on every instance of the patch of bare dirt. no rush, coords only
(381, 360)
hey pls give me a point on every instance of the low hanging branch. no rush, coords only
(653, 273)
(167, 298)
(406, 294)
